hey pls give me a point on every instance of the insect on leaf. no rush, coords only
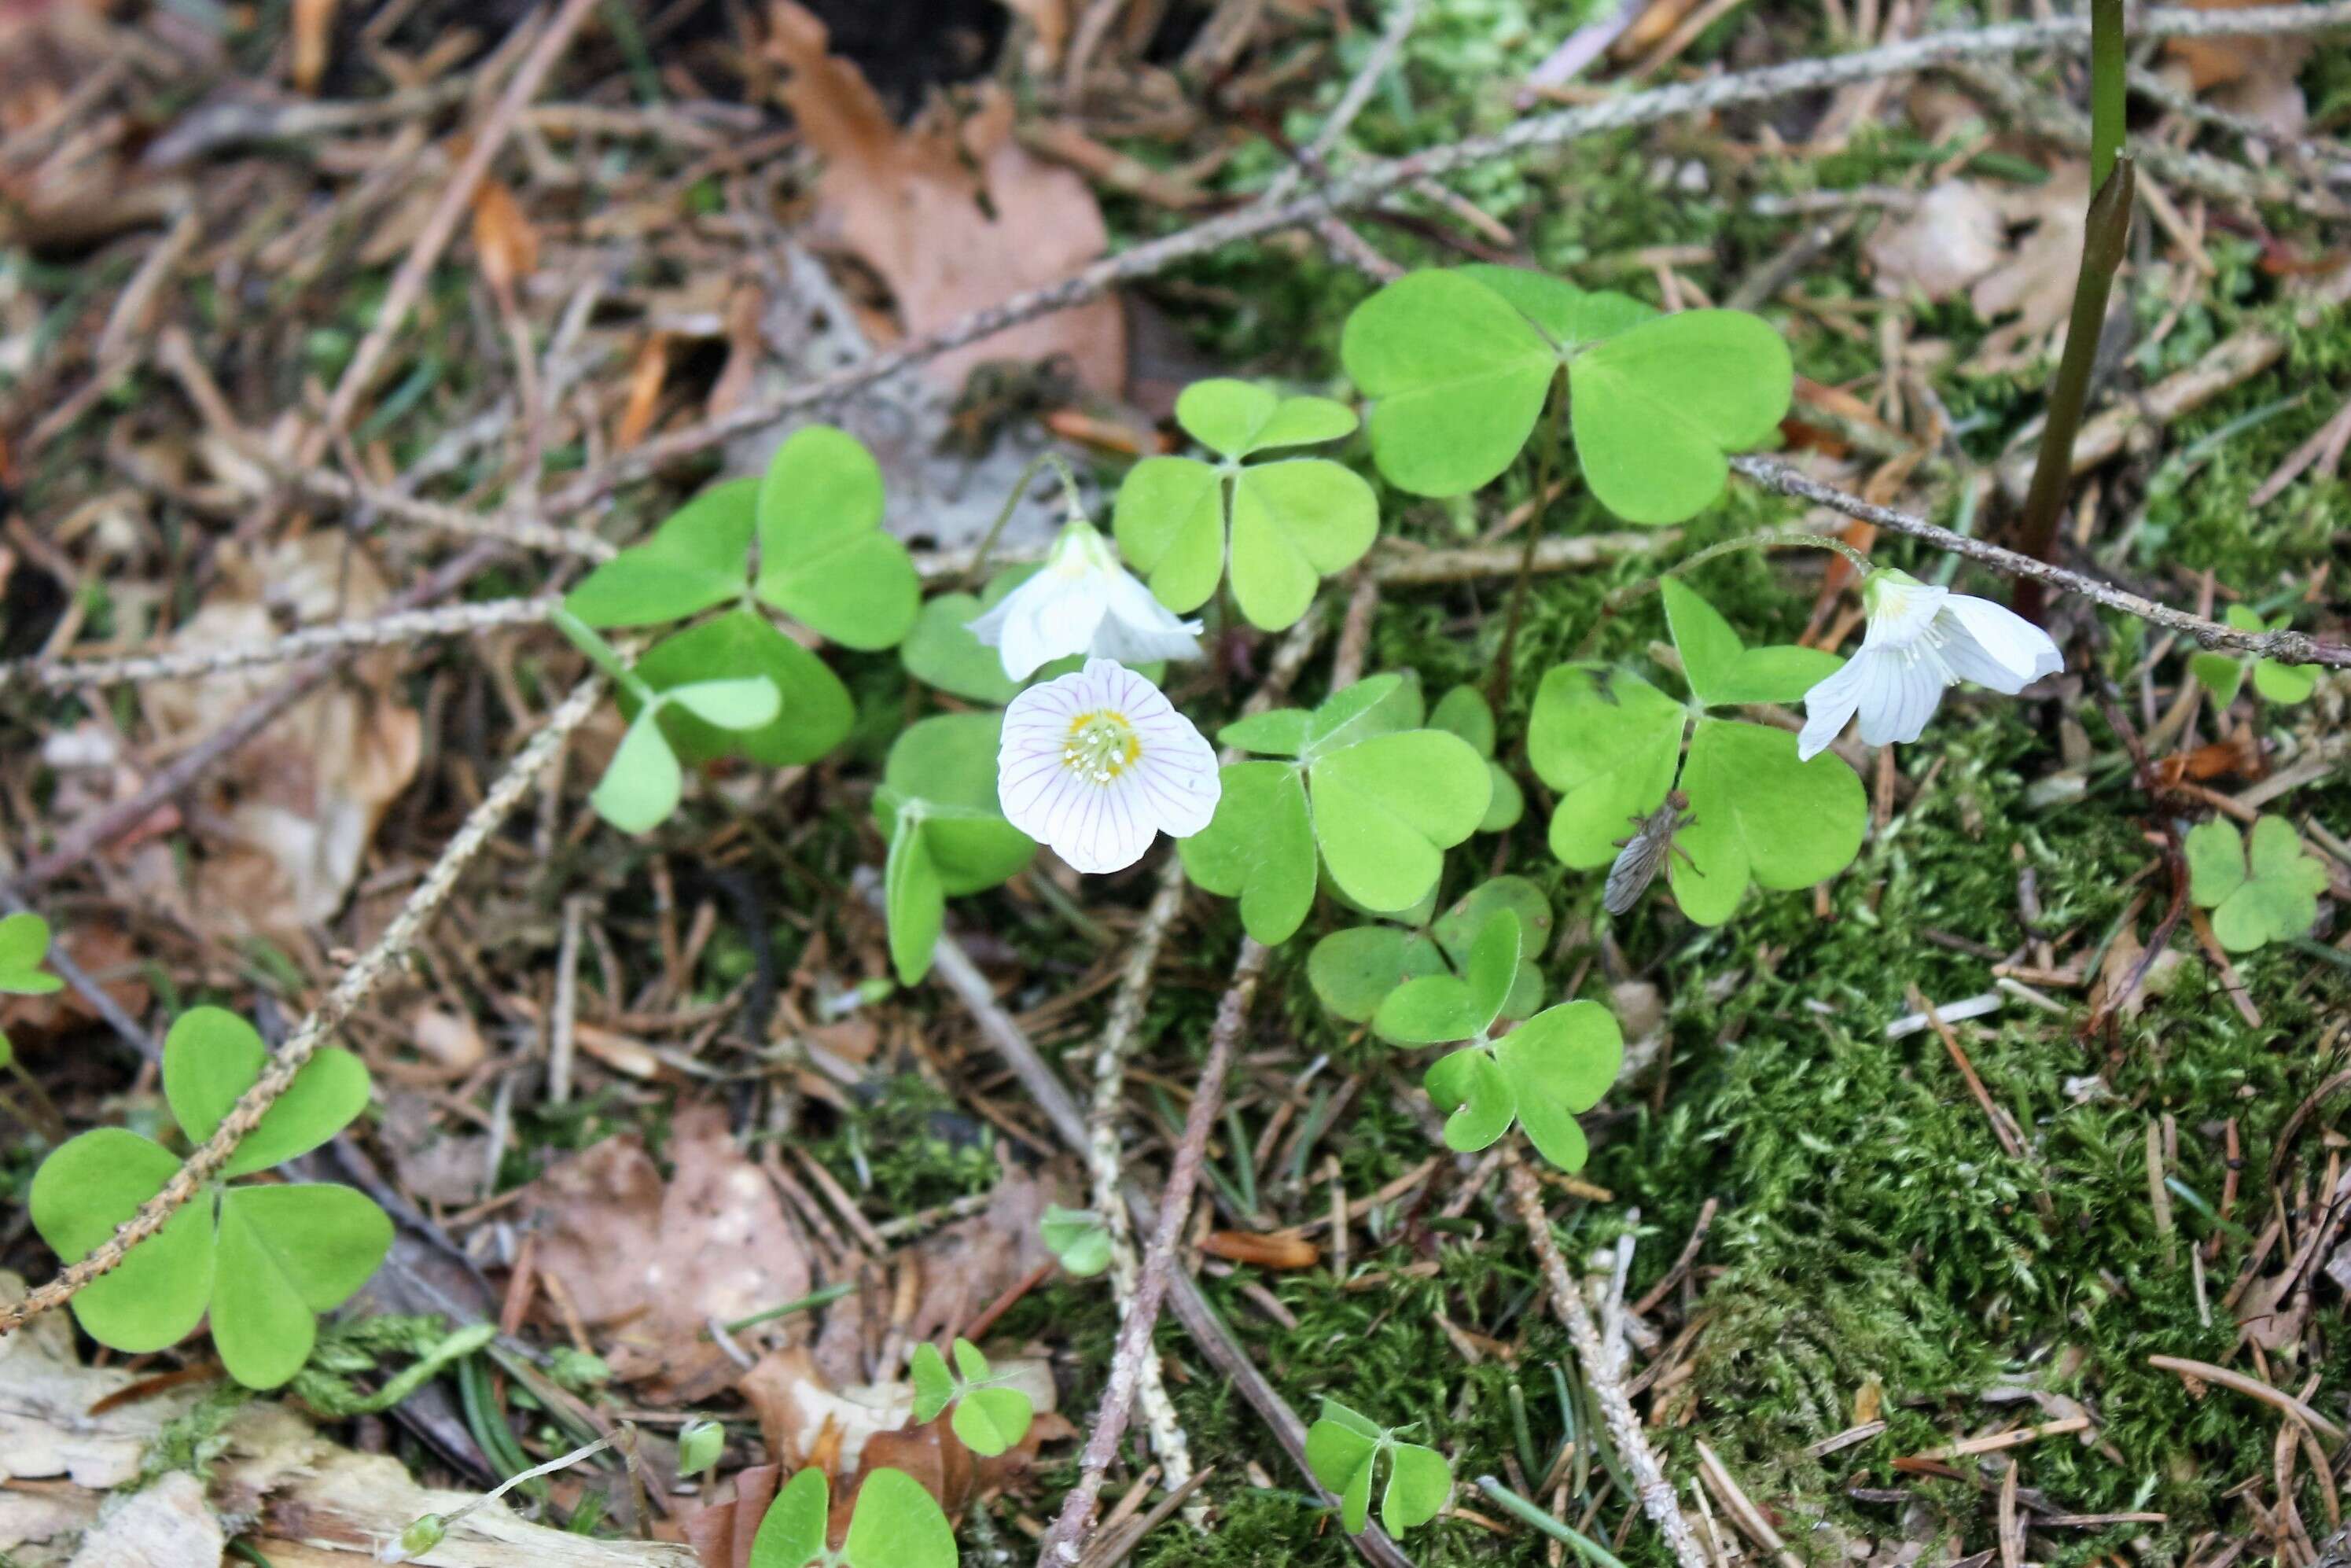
(1607, 742)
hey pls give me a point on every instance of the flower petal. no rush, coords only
(1901, 609)
(1900, 693)
(1103, 821)
(1052, 615)
(1993, 646)
(1138, 630)
(1828, 704)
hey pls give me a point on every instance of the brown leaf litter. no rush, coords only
(285, 824)
(654, 1263)
(2014, 249)
(954, 218)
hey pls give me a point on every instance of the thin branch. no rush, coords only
(1368, 184)
(1603, 1368)
(356, 984)
(1402, 15)
(527, 533)
(2287, 647)
(380, 631)
(441, 226)
(1069, 1531)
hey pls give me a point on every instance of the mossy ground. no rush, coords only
(1872, 1245)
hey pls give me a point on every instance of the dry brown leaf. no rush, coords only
(955, 218)
(312, 25)
(2248, 75)
(721, 1532)
(801, 1413)
(1276, 1251)
(647, 376)
(657, 1261)
(503, 239)
(1951, 238)
(2273, 1311)
(297, 809)
(745, 308)
(2037, 282)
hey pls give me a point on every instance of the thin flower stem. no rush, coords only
(601, 654)
(1012, 500)
(2109, 87)
(1546, 454)
(2103, 242)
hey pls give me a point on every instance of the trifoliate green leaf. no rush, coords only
(990, 1421)
(815, 711)
(1656, 407)
(1464, 712)
(1282, 526)
(1388, 808)
(1759, 813)
(934, 1385)
(1559, 1063)
(745, 701)
(92, 1183)
(695, 560)
(1077, 1239)
(1445, 1007)
(1419, 1484)
(1258, 848)
(284, 1254)
(1607, 743)
(823, 558)
(2221, 674)
(1378, 704)
(211, 1057)
(1458, 929)
(1723, 671)
(23, 942)
(1354, 970)
(1340, 1450)
(1469, 1087)
(2258, 896)
(1456, 375)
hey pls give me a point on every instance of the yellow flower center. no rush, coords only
(1100, 745)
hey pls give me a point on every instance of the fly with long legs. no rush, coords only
(1640, 857)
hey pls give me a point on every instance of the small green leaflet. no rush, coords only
(947, 836)
(895, 1524)
(643, 782)
(1077, 1238)
(2223, 675)
(1458, 364)
(2260, 895)
(1610, 745)
(262, 1260)
(23, 944)
(1284, 526)
(1381, 798)
(989, 1418)
(1343, 1448)
(1464, 712)
(1353, 970)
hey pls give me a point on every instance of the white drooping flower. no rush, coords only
(1096, 762)
(1921, 640)
(1082, 601)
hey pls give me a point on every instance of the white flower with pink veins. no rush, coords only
(1097, 763)
(1921, 640)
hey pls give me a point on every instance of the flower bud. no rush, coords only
(699, 1444)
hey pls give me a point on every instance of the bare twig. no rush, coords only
(2287, 646)
(379, 631)
(416, 269)
(1603, 1368)
(356, 984)
(1373, 181)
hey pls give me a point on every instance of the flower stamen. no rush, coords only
(1101, 744)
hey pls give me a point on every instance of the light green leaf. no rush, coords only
(1508, 804)
(1607, 742)
(1225, 415)
(970, 1364)
(1280, 733)
(1723, 671)
(1258, 848)
(1463, 711)
(897, 1525)
(814, 715)
(1352, 1420)
(1656, 408)
(699, 557)
(1353, 970)
(212, 1057)
(327, 1238)
(2260, 895)
(913, 902)
(747, 702)
(941, 652)
(1477, 1099)
(1419, 1483)
(1571, 317)
(1493, 967)
(1169, 519)
(990, 1421)
(792, 1535)
(934, 1385)
(1339, 1448)
(1782, 673)
(1761, 813)
(1379, 705)
(23, 942)
(260, 1326)
(642, 783)
(1458, 375)
(1457, 928)
(1295, 522)
(1559, 1063)
(2222, 675)
(83, 1190)
(2284, 683)
(1442, 1007)
(948, 763)
(1388, 808)
(1304, 422)
(823, 558)
(1077, 1238)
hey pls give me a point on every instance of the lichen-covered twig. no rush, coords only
(378, 632)
(2286, 646)
(356, 984)
(1603, 1369)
